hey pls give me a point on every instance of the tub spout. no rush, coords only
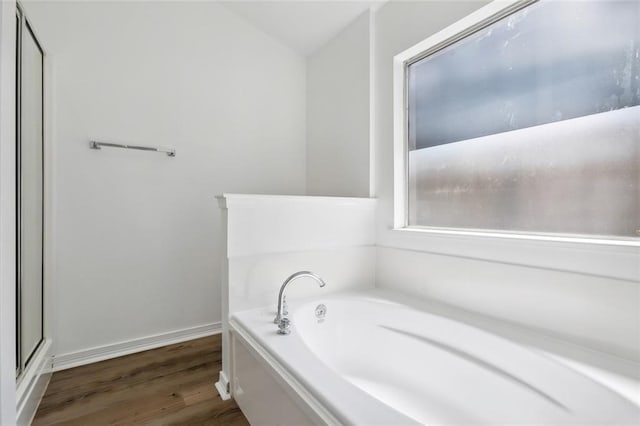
(281, 295)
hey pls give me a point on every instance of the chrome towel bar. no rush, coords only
(99, 145)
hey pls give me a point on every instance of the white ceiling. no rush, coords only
(303, 25)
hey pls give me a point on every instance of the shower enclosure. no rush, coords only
(29, 192)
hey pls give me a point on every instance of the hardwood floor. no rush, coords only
(172, 385)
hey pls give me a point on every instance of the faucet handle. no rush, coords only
(284, 326)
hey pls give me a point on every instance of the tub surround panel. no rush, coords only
(620, 262)
(263, 224)
(268, 238)
(592, 311)
(256, 280)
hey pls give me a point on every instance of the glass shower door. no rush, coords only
(30, 144)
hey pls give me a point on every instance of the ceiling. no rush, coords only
(303, 25)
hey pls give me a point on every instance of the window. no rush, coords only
(526, 121)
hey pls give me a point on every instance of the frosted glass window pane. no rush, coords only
(531, 124)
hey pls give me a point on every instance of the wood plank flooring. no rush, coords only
(172, 385)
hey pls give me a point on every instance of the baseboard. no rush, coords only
(33, 384)
(222, 386)
(101, 353)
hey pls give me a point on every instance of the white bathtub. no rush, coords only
(380, 358)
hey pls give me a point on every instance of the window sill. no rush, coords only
(624, 242)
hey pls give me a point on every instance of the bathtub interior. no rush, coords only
(435, 369)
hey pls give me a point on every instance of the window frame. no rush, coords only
(478, 20)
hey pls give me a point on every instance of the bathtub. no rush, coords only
(380, 358)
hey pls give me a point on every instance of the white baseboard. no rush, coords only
(101, 353)
(33, 384)
(222, 385)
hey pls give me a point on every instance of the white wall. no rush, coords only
(338, 114)
(7, 214)
(137, 232)
(588, 294)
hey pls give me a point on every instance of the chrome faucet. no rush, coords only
(283, 322)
